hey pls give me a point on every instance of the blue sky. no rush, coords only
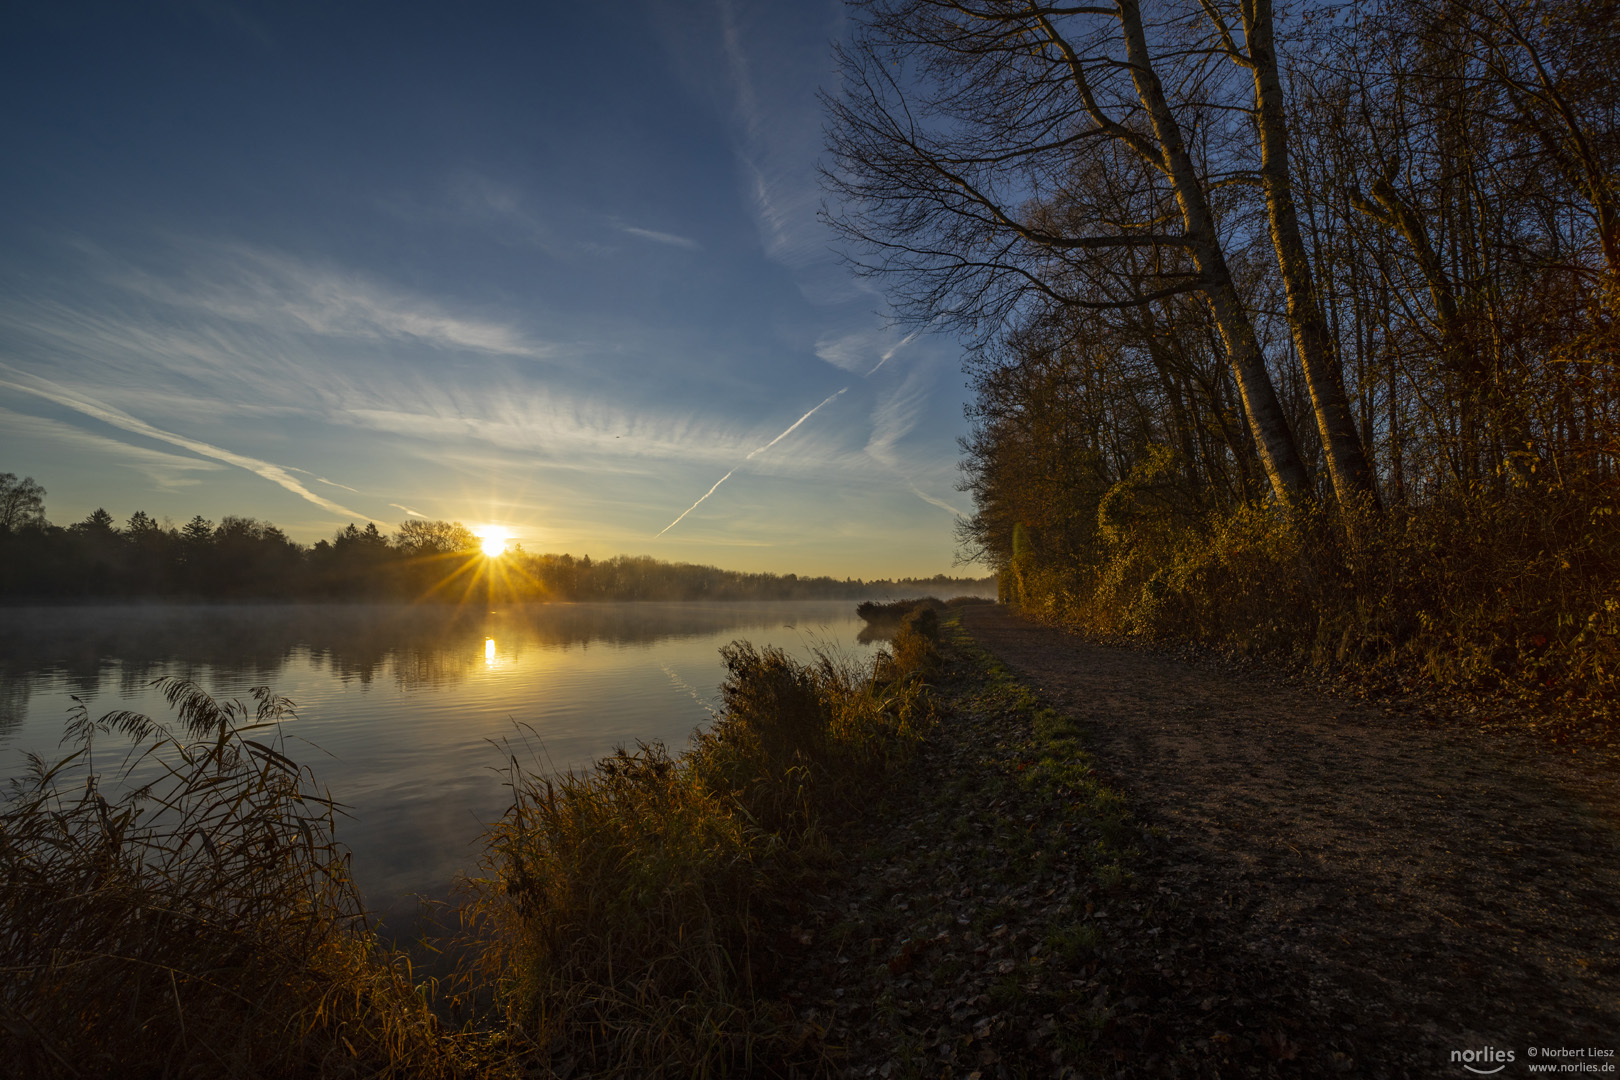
(549, 266)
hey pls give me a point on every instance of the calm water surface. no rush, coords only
(398, 706)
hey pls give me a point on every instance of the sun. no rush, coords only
(492, 541)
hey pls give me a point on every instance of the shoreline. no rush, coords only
(1071, 860)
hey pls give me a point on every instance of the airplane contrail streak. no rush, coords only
(752, 454)
(694, 506)
(334, 483)
(896, 347)
(792, 429)
(929, 499)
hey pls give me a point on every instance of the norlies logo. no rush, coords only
(1482, 1058)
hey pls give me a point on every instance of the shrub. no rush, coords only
(1506, 594)
(894, 610)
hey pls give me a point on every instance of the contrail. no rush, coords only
(792, 429)
(276, 474)
(752, 454)
(321, 479)
(927, 498)
(334, 483)
(896, 347)
(693, 507)
(408, 510)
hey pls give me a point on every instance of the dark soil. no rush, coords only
(1316, 887)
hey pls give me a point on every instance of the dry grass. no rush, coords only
(628, 915)
(202, 923)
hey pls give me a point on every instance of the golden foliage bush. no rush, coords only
(1503, 593)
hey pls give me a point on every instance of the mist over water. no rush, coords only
(398, 705)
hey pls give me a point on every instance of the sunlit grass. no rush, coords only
(629, 919)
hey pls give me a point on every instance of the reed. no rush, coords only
(200, 920)
(629, 917)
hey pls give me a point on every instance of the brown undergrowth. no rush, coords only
(1505, 598)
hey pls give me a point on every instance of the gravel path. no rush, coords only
(1424, 888)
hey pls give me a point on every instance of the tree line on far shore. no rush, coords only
(241, 558)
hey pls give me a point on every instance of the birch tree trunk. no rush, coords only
(1347, 463)
(1279, 455)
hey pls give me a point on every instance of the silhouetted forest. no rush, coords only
(1295, 328)
(244, 559)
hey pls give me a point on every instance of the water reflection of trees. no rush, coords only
(14, 693)
(413, 645)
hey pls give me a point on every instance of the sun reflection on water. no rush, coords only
(489, 652)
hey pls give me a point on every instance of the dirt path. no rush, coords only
(1427, 890)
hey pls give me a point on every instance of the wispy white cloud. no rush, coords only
(855, 351)
(896, 415)
(259, 287)
(132, 343)
(484, 461)
(210, 334)
(276, 474)
(245, 285)
(560, 430)
(662, 237)
(780, 136)
(166, 471)
(408, 511)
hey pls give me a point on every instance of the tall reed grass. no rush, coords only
(195, 917)
(631, 916)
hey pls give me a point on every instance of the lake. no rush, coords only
(401, 709)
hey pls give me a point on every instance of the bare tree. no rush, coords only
(1347, 462)
(22, 502)
(998, 156)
